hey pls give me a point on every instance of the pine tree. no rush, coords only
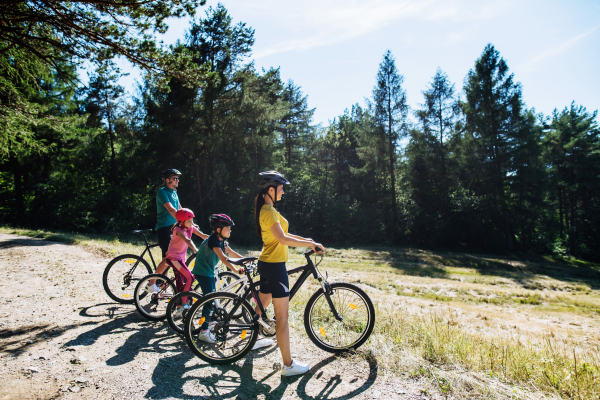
(573, 151)
(391, 109)
(493, 117)
(103, 104)
(438, 117)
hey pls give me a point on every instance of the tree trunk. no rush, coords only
(113, 157)
(560, 212)
(199, 187)
(19, 193)
(393, 181)
(392, 176)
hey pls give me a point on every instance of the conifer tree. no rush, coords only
(391, 109)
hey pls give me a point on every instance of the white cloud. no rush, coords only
(311, 23)
(530, 65)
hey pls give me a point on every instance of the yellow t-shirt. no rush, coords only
(272, 250)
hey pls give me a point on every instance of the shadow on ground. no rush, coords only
(173, 379)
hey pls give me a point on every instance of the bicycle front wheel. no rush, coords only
(153, 305)
(229, 338)
(356, 312)
(122, 275)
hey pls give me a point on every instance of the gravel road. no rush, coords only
(61, 337)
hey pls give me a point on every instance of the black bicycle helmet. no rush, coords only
(271, 178)
(167, 173)
(220, 221)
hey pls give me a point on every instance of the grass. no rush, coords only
(470, 326)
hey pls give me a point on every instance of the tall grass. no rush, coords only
(434, 346)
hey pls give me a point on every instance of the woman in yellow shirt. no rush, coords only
(273, 229)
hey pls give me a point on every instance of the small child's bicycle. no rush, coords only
(123, 272)
(338, 317)
(153, 305)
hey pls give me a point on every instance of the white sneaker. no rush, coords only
(297, 368)
(152, 288)
(207, 336)
(181, 310)
(262, 342)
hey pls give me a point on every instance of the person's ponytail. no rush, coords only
(259, 201)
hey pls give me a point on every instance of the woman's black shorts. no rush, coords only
(276, 274)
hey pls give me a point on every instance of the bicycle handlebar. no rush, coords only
(311, 252)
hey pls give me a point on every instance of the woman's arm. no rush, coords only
(188, 241)
(298, 237)
(223, 259)
(290, 240)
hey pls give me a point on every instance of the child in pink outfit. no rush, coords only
(181, 240)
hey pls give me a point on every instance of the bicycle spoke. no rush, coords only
(353, 310)
(230, 340)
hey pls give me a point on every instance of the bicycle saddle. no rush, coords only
(143, 231)
(241, 261)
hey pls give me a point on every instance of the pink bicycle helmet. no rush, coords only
(184, 214)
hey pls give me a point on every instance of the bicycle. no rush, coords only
(338, 317)
(123, 272)
(176, 309)
(153, 306)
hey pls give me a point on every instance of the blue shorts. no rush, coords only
(276, 274)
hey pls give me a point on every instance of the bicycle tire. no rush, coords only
(331, 335)
(217, 353)
(190, 261)
(117, 273)
(153, 306)
(178, 322)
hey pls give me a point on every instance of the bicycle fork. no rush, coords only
(327, 291)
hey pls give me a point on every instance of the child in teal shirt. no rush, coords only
(209, 253)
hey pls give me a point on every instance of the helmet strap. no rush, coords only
(274, 201)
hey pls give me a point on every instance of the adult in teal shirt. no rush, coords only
(167, 204)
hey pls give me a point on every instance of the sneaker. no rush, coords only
(262, 342)
(152, 288)
(297, 368)
(207, 336)
(181, 310)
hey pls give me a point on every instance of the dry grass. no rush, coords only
(469, 326)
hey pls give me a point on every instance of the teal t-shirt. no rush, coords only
(164, 217)
(206, 258)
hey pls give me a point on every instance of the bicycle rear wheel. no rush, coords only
(153, 305)
(175, 315)
(357, 314)
(122, 275)
(234, 337)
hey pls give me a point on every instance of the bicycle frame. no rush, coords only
(148, 247)
(307, 270)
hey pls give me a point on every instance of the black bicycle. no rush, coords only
(153, 305)
(123, 272)
(338, 317)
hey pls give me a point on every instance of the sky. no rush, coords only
(332, 48)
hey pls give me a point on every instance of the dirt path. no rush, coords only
(62, 338)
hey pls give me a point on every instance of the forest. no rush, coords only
(473, 168)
